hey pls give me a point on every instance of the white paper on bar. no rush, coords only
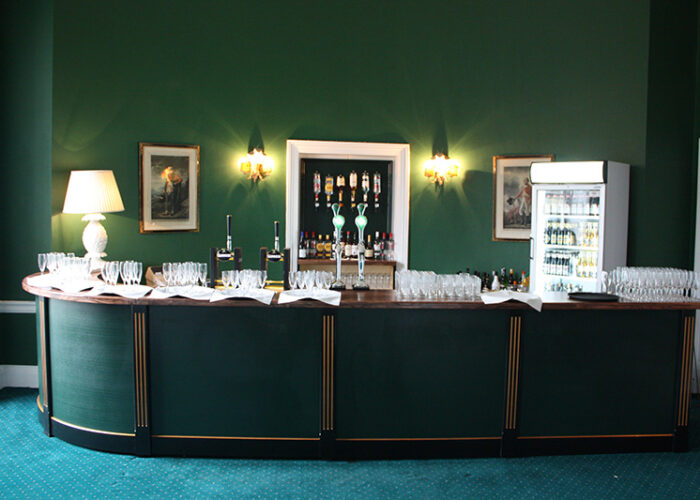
(259, 294)
(75, 286)
(330, 297)
(531, 299)
(189, 292)
(127, 291)
(44, 280)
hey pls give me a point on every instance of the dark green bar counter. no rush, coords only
(375, 377)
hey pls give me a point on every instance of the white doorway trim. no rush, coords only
(399, 154)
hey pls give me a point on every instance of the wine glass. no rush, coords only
(41, 260)
(202, 267)
(167, 272)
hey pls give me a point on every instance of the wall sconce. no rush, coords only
(256, 165)
(441, 168)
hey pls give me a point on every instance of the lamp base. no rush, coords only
(95, 240)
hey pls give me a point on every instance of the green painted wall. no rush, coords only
(26, 31)
(486, 78)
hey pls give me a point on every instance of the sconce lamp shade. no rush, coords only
(92, 192)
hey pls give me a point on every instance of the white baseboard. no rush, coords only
(19, 376)
(17, 306)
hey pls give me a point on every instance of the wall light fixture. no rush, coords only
(440, 169)
(256, 165)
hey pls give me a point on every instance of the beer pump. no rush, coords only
(225, 254)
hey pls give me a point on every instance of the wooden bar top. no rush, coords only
(373, 299)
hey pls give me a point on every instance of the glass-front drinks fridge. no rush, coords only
(579, 225)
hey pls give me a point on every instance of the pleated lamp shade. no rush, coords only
(92, 192)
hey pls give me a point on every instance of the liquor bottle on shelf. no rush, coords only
(340, 183)
(327, 247)
(390, 247)
(311, 246)
(317, 189)
(302, 246)
(369, 248)
(352, 180)
(354, 247)
(377, 246)
(320, 252)
(365, 186)
(328, 188)
(495, 283)
(226, 253)
(512, 283)
(377, 188)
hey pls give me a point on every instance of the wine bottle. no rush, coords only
(275, 255)
(369, 249)
(302, 246)
(327, 247)
(377, 246)
(348, 246)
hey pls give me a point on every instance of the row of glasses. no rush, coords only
(244, 279)
(307, 280)
(652, 284)
(374, 281)
(129, 271)
(184, 273)
(52, 260)
(427, 285)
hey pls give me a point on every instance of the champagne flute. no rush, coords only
(202, 266)
(41, 260)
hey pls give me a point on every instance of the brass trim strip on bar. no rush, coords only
(42, 330)
(327, 393)
(509, 385)
(244, 438)
(593, 436)
(686, 360)
(512, 374)
(691, 345)
(516, 378)
(331, 370)
(681, 390)
(490, 438)
(38, 404)
(144, 387)
(88, 429)
(140, 369)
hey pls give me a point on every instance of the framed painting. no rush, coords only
(168, 187)
(512, 196)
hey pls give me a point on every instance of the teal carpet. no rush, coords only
(35, 466)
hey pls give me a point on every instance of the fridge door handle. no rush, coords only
(532, 242)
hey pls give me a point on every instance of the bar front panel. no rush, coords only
(92, 377)
(243, 372)
(598, 374)
(420, 373)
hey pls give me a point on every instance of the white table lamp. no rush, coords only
(93, 192)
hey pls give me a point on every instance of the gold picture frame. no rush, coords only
(512, 196)
(168, 188)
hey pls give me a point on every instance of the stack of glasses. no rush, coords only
(652, 284)
(184, 273)
(129, 270)
(430, 286)
(244, 279)
(306, 280)
(53, 261)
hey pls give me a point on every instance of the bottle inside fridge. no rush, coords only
(568, 239)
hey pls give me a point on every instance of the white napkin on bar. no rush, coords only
(259, 294)
(190, 292)
(330, 297)
(47, 280)
(128, 291)
(531, 299)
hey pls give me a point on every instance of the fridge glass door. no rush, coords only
(567, 238)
